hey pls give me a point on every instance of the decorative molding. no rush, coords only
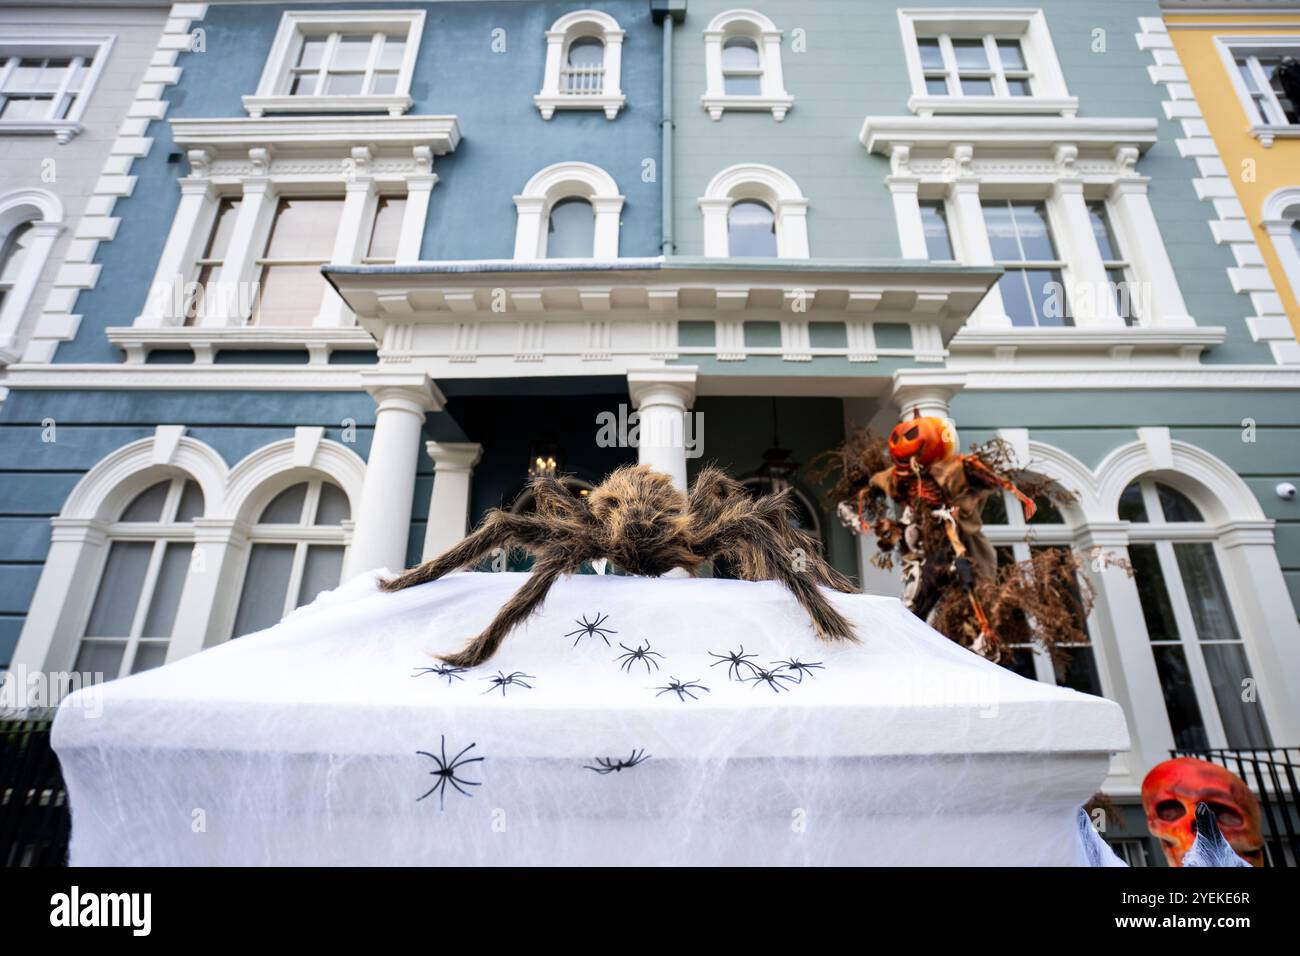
(43, 211)
(766, 184)
(754, 25)
(319, 341)
(573, 26)
(564, 181)
(63, 45)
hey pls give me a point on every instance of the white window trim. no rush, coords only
(570, 27)
(1230, 47)
(272, 95)
(764, 183)
(563, 181)
(1027, 25)
(232, 497)
(44, 212)
(751, 24)
(1281, 213)
(47, 45)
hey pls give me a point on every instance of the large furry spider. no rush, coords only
(639, 521)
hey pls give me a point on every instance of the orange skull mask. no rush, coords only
(924, 440)
(1171, 792)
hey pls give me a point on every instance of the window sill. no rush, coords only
(393, 105)
(547, 103)
(62, 130)
(138, 342)
(1266, 134)
(1066, 106)
(716, 105)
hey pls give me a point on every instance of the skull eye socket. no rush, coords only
(1170, 810)
(1226, 816)
(911, 433)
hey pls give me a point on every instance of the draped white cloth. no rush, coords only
(333, 739)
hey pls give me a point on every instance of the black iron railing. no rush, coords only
(1274, 777)
(34, 817)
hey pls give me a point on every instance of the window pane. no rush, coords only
(734, 85)
(994, 510)
(1243, 721)
(289, 295)
(333, 507)
(1180, 698)
(970, 55)
(1019, 87)
(1157, 610)
(167, 592)
(1101, 231)
(1131, 506)
(25, 108)
(1021, 661)
(345, 84)
(388, 226)
(1205, 592)
(15, 251)
(1080, 672)
(1047, 292)
(304, 229)
(977, 86)
(119, 589)
(586, 52)
(148, 656)
(572, 230)
(1015, 298)
(1176, 505)
(266, 582)
(390, 58)
(1247, 75)
(751, 229)
(100, 657)
(191, 505)
(320, 573)
(740, 53)
(1013, 57)
(931, 55)
(1002, 231)
(313, 50)
(352, 53)
(286, 507)
(1035, 235)
(222, 227)
(936, 85)
(384, 83)
(934, 222)
(304, 84)
(148, 505)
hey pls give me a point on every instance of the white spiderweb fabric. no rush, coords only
(301, 744)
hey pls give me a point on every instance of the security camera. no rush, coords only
(1286, 491)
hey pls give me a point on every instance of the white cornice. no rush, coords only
(880, 134)
(1176, 345)
(256, 378)
(137, 340)
(1069, 377)
(440, 133)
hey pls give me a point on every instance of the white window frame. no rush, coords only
(565, 181)
(1029, 26)
(563, 32)
(160, 534)
(43, 47)
(1231, 47)
(273, 95)
(1281, 215)
(766, 184)
(773, 96)
(43, 211)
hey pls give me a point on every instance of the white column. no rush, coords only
(607, 210)
(663, 396)
(928, 394)
(907, 212)
(419, 189)
(355, 222)
(189, 233)
(1140, 236)
(239, 271)
(971, 235)
(714, 212)
(207, 605)
(16, 301)
(383, 522)
(528, 226)
(1092, 303)
(453, 471)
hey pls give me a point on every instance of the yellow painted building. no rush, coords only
(1248, 147)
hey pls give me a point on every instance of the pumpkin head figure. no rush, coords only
(923, 439)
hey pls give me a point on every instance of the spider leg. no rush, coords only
(499, 530)
(516, 610)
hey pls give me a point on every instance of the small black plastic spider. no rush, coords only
(772, 679)
(504, 680)
(799, 667)
(735, 660)
(611, 765)
(682, 688)
(446, 772)
(591, 628)
(442, 670)
(642, 654)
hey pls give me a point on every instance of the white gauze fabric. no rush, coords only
(333, 739)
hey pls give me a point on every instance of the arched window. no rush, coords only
(1281, 221)
(1190, 621)
(584, 52)
(134, 611)
(571, 229)
(1014, 540)
(30, 221)
(12, 256)
(751, 229)
(568, 211)
(742, 62)
(296, 552)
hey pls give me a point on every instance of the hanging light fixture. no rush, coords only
(779, 468)
(544, 461)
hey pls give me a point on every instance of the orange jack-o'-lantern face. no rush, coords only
(1171, 792)
(924, 440)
